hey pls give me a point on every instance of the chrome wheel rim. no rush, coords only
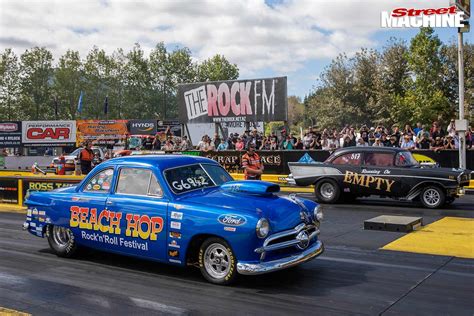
(431, 197)
(61, 236)
(327, 190)
(217, 261)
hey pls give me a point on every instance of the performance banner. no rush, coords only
(101, 132)
(10, 134)
(256, 100)
(48, 133)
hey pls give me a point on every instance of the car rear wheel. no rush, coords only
(327, 191)
(432, 197)
(217, 261)
(61, 240)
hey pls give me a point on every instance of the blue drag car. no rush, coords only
(181, 210)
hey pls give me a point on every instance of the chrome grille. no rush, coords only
(300, 237)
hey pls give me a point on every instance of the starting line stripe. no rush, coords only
(449, 236)
(11, 312)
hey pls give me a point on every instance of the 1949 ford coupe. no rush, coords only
(180, 210)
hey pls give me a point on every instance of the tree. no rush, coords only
(9, 84)
(217, 68)
(295, 111)
(67, 83)
(36, 74)
(426, 97)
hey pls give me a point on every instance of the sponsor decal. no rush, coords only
(230, 229)
(147, 127)
(174, 261)
(41, 213)
(32, 224)
(368, 171)
(106, 221)
(96, 187)
(175, 235)
(28, 212)
(35, 211)
(347, 190)
(75, 198)
(175, 225)
(231, 220)
(426, 17)
(173, 253)
(174, 244)
(368, 181)
(177, 215)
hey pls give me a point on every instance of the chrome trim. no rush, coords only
(289, 243)
(293, 260)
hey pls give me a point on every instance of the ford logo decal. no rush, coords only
(232, 220)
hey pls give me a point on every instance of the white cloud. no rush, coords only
(280, 38)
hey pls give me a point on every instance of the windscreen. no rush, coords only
(192, 177)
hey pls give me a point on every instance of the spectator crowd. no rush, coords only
(433, 137)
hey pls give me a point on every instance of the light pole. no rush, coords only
(163, 85)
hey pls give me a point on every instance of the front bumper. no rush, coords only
(264, 267)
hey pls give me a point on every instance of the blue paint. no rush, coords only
(230, 211)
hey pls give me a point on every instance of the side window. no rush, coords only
(378, 159)
(348, 159)
(101, 182)
(138, 181)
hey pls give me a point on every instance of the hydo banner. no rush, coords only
(256, 100)
(48, 133)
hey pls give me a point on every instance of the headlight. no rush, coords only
(318, 214)
(70, 161)
(263, 228)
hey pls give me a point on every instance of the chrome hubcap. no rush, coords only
(431, 197)
(217, 261)
(327, 190)
(61, 236)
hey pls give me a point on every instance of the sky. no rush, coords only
(265, 38)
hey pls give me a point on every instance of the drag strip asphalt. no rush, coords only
(353, 276)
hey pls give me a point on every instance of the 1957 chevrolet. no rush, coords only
(181, 210)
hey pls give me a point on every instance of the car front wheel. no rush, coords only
(217, 261)
(432, 197)
(327, 191)
(61, 240)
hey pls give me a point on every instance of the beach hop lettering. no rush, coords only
(106, 221)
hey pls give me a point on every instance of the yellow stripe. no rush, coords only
(449, 236)
(471, 185)
(297, 189)
(12, 208)
(11, 312)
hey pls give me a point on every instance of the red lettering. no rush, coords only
(399, 12)
(430, 11)
(224, 99)
(442, 11)
(156, 227)
(233, 103)
(38, 133)
(74, 219)
(452, 10)
(212, 100)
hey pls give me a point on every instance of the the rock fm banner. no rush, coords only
(255, 100)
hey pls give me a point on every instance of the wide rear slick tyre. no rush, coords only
(327, 191)
(61, 240)
(217, 261)
(432, 197)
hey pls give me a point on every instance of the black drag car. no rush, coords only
(393, 172)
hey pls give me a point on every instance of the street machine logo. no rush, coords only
(428, 17)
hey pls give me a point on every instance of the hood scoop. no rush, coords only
(251, 187)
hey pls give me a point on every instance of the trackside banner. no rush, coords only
(10, 134)
(48, 133)
(254, 100)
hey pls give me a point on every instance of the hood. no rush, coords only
(282, 212)
(261, 188)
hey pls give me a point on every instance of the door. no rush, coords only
(378, 175)
(349, 165)
(88, 221)
(139, 200)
